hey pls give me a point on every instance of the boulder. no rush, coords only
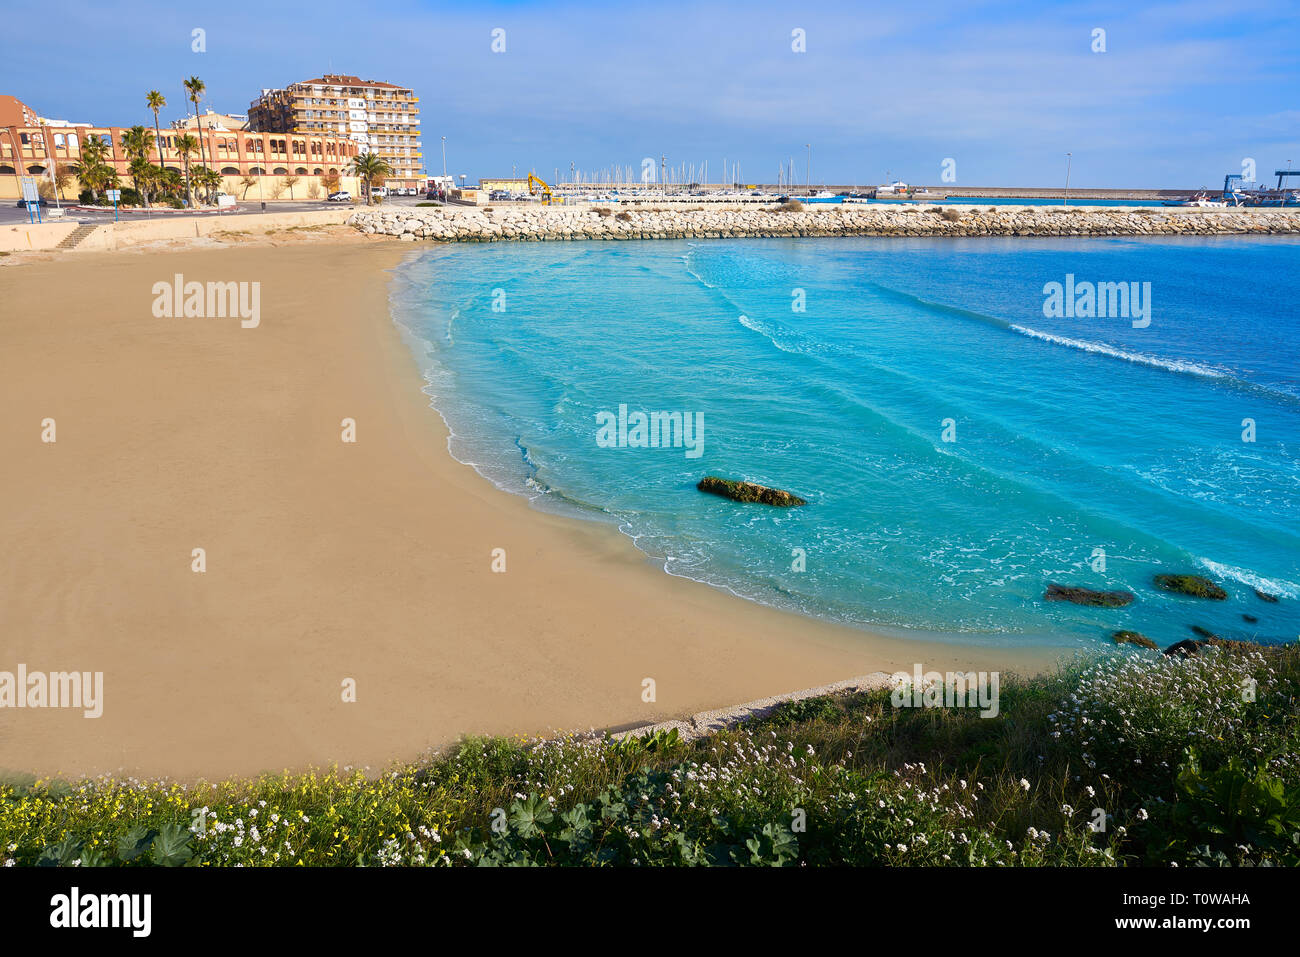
(1134, 638)
(748, 492)
(1197, 586)
(1088, 596)
(1194, 646)
(1265, 596)
(1189, 648)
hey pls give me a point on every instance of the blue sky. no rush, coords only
(1184, 92)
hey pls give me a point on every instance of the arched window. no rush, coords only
(301, 171)
(280, 171)
(229, 171)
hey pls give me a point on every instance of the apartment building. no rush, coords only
(379, 117)
(41, 148)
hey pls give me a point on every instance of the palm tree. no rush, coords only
(187, 146)
(156, 102)
(61, 177)
(170, 182)
(93, 170)
(207, 180)
(195, 87)
(137, 143)
(144, 175)
(96, 178)
(370, 167)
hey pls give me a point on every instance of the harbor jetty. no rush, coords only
(533, 223)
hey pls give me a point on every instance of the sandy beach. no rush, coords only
(325, 560)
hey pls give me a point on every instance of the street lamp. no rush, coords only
(807, 176)
(1068, 161)
(444, 157)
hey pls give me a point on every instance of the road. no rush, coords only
(10, 214)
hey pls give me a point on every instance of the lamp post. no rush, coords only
(807, 176)
(444, 157)
(1068, 160)
(54, 169)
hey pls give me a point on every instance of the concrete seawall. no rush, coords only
(583, 222)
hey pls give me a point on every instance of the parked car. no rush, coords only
(380, 191)
(341, 196)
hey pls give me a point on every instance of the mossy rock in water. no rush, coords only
(1198, 586)
(748, 492)
(1088, 596)
(1265, 596)
(1134, 638)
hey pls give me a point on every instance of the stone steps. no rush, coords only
(74, 238)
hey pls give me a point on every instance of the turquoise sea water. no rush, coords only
(959, 449)
(940, 200)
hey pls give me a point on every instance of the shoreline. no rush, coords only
(324, 560)
(557, 504)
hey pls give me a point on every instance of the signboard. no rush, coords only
(114, 195)
(30, 193)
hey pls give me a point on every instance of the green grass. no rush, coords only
(1186, 761)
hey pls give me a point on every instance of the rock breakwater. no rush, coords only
(526, 223)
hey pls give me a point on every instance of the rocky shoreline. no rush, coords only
(531, 223)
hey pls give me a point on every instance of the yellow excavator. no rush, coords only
(534, 183)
